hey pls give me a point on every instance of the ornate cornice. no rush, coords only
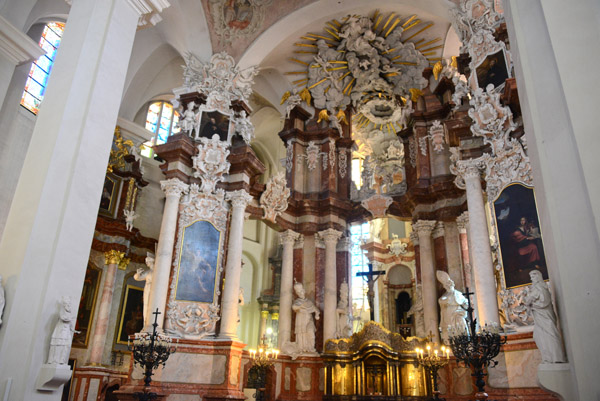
(149, 11)
(462, 221)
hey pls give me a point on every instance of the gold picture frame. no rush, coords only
(87, 306)
(131, 313)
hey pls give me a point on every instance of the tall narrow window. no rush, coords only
(162, 120)
(35, 87)
(360, 307)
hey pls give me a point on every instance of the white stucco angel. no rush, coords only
(130, 216)
(188, 120)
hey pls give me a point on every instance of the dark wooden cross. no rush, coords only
(368, 276)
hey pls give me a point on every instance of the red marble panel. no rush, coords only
(418, 263)
(343, 268)
(439, 249)
(298, 262)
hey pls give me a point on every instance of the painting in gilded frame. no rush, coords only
(493, 70)
(519, 235)
(87, 306)
(215, 122)
(109, 197)
(131, 316)
(198, 262)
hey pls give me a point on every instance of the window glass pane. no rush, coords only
(358, 234)
(152, 117)
(146, 148)
(175, 128)
(40, 69)
(162, 136)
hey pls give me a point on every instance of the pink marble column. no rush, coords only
(113, 259)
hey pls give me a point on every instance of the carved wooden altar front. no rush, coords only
(373, 364)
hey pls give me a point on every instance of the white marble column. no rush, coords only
(50, 226)
(112, 260)
(424, 228)
(330, 238)
(483, 268)
(173, 188)
(229, 304)
(288, 239)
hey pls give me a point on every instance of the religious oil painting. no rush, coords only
(198, 262)
(215, 122)
(108, 200)
(237, 14)
(87, 304)
(131, 316)
(519, 235)
(492, 70)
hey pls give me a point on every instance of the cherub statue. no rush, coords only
(130, 215)
(189, 118)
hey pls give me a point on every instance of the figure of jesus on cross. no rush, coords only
(371, 277)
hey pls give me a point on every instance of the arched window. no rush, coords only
(358, 234)
(40, 69)
(162, 120)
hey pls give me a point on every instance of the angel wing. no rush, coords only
(341, 116)
(285, 97)
(323, 116)
(415, 94)
(305, 96)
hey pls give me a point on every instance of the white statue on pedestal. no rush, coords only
(545, 331)
(188, 121)
(416, 310)
(305, 324)
(62, 336)
(343, 321)
(453, 307)
(146, 275)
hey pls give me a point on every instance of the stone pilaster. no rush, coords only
(164, 251)
(288, 239)
(229, 304)
(424, 229)
(330, 237)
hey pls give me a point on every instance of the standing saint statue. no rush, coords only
(453, 307)
(545, 331)
(416, 310)
(305, 324)
(62, 336)
(146, 275)
(343, 321)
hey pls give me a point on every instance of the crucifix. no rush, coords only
(368, 276)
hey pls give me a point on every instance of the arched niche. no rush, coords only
(400, 293)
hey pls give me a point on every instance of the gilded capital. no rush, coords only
(330, 236)
(239, 198)
(124, 263)
(289, 237)
(424, 227)
(174, 187)
(113, 257)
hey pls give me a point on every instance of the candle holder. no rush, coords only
(476, 348)
(149, 352)
(262, 360)
(433, 360)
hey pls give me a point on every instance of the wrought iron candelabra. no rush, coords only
(261, 362)
(476, 348)
(433, 360)
(149, 352)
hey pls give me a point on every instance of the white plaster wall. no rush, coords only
(550, 42)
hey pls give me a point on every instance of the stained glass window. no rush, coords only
(162, 120)
(360, 307)
(35, 87)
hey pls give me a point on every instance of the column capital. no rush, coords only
(330, 236)
(148, 11)
(438, 230)
(113, 257)
(414, 237)
(344, 244)
(239, 198)
(289, 237)
(124, 263)
(424, 227)
(462, 221)
(174, 187)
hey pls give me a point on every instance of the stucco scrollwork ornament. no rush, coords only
(243, 126)
(397, 247)
(464, 169)
(220, 80)
(436, 136)
(274, 201)
(191, 320)
(312, 156)
(472, 16)
(289, 156)
(210, 164)
(332, 153)
(377, 204)
(423, 145)
(234, 20)
(343, 163)
(513, 310)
